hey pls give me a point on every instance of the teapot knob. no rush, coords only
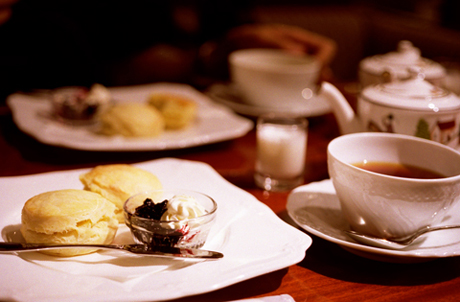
(416, 72)
(409, 50)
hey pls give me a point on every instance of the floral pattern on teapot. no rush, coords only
(445, 131)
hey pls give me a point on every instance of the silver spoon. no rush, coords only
(396, 243)
(158, 251)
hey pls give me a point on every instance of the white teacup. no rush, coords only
(274, 78)
(389, 206)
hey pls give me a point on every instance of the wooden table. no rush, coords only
(327, 273)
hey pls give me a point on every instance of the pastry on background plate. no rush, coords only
(132, 120)
(69, 217)
(118, 182)
(177, 111)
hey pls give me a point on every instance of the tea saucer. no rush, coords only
(229, 96)
(316, 209)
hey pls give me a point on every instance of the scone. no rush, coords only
(177, 111)
(132, 120)
(118, 182)
(69, 217)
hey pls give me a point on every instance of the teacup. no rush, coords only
(273, 78)
(387, 206)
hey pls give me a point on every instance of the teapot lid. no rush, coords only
(414, 93)
(398, 62)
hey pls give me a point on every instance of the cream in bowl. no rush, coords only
(173, 218)
(273, 78)
(383, 204)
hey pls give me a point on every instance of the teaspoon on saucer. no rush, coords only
(160, 251)
(395, 243)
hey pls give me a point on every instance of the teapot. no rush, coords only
(413, 107)
(375, 69)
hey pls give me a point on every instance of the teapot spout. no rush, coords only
(346, 118)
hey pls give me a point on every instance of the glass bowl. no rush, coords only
(180, 230)
(77, 105)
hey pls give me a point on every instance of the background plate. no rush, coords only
(214, 123)
(229, 96)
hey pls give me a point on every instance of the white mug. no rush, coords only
(274, 78)
(390, 206)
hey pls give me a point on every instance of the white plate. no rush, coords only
(253, 239)
(229, 96)
(214, 122)
(316, 208)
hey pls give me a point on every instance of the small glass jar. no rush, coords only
(180, 233)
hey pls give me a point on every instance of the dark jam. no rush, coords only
(151, 210)
(158, 236)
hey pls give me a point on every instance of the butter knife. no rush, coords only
(159, 251)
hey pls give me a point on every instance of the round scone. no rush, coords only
(118, 182)
(132, 120)
(177, 111)
(69, 217)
